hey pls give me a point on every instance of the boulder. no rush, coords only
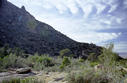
(23, 71)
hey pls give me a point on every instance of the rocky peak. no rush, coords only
(23, 8)
(18, 28)
(2, 2)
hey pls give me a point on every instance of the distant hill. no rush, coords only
(18, 28)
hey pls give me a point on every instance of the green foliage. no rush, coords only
(62, 66)
(18, 52)
(66, 52)
(93, 64)
(91, 76)
(109, 72)
(83, 71)
(1, 61)
(12, 61)
(123, 63)
(108, 57)
(47, 61)
(4, 51)
(38, 66)
(75, 78)
(39, 62)
(81, 60)
(65, 62)
(92, 57)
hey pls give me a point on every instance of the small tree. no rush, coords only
(108, 56)
(66, 52)
(65, 62)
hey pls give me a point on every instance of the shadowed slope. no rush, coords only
(20, 29)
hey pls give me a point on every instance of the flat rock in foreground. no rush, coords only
(23, 71)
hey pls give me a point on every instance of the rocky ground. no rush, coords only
(53, 77)
(48, 77)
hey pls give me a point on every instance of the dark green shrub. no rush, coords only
(76, 78)
(93, 64)
(39, 62)
(12, 61)
(66, 52)
(92, 77)
(65, 62)
(34, 58)
(108, 56)
(4, 51)
(92, 57)
(47, 61)
(18, 52)
(61, 66)
(81, 60)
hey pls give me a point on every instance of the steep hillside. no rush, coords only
(20, 29)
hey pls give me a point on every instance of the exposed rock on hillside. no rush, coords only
(20, 29)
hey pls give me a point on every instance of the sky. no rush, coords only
(91, 21)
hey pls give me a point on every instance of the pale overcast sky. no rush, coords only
(92, 21)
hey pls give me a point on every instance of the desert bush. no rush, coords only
(75, 78)
(110, 73)
(93, 64)
(90, 76)
(108, 56)
(38, 66)
(54, 68)
(92, 57)
(39, 62)
(81, 60)
(66, 52)
(12, 61)
(123, 63)
(65, 62)
(18, 52)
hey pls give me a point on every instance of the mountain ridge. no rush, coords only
(19, 28)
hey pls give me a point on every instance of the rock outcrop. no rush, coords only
(18, 28)
(3, 2)
(23, 71)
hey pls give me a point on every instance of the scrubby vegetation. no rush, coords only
(106, 68)
(66, 52)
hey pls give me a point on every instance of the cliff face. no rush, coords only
(20, 29)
